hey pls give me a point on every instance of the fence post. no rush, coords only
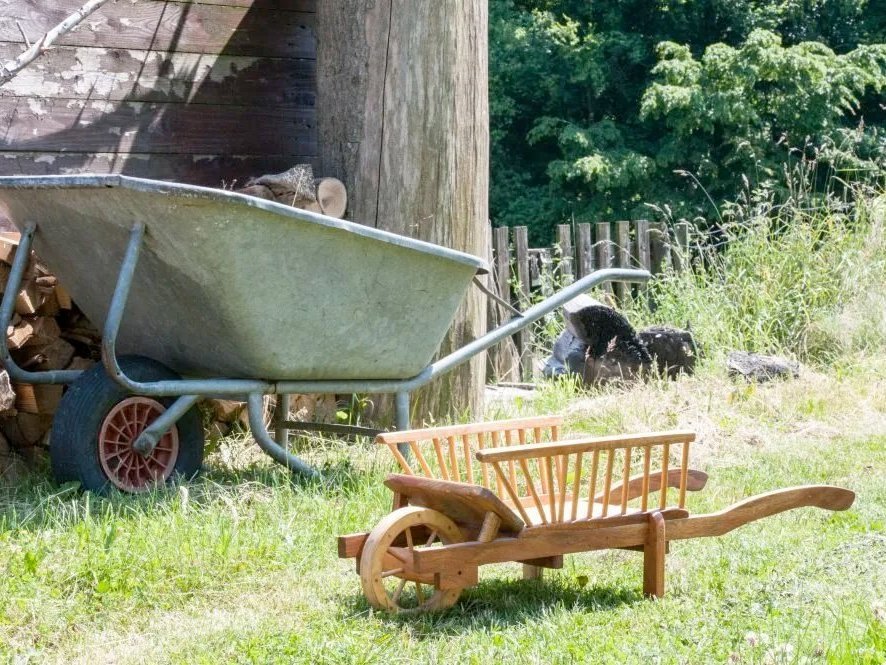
(502, 359)
(564, 244)
(681, 247)
(643, 258)
(604, 250)
(659, 247)
(585, 250)
(524, 338)
(623, 240)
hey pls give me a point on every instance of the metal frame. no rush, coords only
(189, 391)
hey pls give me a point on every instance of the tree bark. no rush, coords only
(403, 122)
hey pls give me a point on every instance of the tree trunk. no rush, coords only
(403, 122)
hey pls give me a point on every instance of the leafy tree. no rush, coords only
(596, 105)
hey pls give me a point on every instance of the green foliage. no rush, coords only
(600, 108)
(802, 279)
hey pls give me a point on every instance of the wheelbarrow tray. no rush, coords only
(233, 285)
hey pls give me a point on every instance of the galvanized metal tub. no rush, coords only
(232, 285)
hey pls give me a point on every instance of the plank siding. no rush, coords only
(168, 26)
(209, 92)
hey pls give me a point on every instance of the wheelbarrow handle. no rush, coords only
(534, 313)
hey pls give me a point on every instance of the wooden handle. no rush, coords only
(757, 507)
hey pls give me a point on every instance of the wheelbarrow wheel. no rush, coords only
(385, 574)
(97, 422)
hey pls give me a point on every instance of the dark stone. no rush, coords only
(761, 368)
(568, 356)
(673, 350)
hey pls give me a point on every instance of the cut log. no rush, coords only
(8, 244)
(42, 399)
(63, 297)
(7, 392)
(34, 426)
(258, 191)
(332, 196)
(20, 334)
(29, 299)
(226, 410)
(54, 355)
(45, 330)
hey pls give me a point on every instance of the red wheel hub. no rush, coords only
(124, 467)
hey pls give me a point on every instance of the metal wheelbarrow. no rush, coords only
(203, 292)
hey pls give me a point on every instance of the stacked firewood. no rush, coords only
(47, 332)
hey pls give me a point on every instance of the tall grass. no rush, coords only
(805, 277)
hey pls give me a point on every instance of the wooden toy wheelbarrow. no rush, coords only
(550, 498)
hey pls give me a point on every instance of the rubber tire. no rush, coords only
(73, 443)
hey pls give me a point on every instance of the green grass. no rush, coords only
(240, 565)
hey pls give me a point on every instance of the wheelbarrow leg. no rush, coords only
(271, 447)
(281, 415)
(402, 401)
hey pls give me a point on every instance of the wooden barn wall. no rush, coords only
(207, 92)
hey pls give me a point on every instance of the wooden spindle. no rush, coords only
(530, 485)
(444, 472)
(647, 455)
(625, 477)
(552, 500)
(576, 485)
(502, 481)
(607, 481)
(466, 446)
(562, 467)
(592, 485)
(537, 434)
(414, 447)
(666, 453)
(684, 473)
(402, 460)
(481, 444)
(454, 471)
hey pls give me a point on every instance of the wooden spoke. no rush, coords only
(394, 571)
(399, 590)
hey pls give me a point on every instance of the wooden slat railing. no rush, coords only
(446, 453)
(561, 488)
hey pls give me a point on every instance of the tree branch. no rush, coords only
(35, 50)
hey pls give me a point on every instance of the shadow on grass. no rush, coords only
(494, 603)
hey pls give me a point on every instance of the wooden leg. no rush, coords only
(531, 572)
(654, 557)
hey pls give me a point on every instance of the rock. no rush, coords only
(673, 350)
(761, 368)
(602, 328)
(568, 356)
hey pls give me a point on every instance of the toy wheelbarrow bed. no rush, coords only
(243, 297)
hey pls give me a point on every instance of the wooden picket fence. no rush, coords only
(520, 273)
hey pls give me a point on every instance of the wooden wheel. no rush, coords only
(385, 570)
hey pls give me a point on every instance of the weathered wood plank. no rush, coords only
(604, 250)
(101, 126)
(584, 250)
(623, 251)
(70, 72)
(283, 5)
(566, 252)
(208, 170)
(168, 26)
